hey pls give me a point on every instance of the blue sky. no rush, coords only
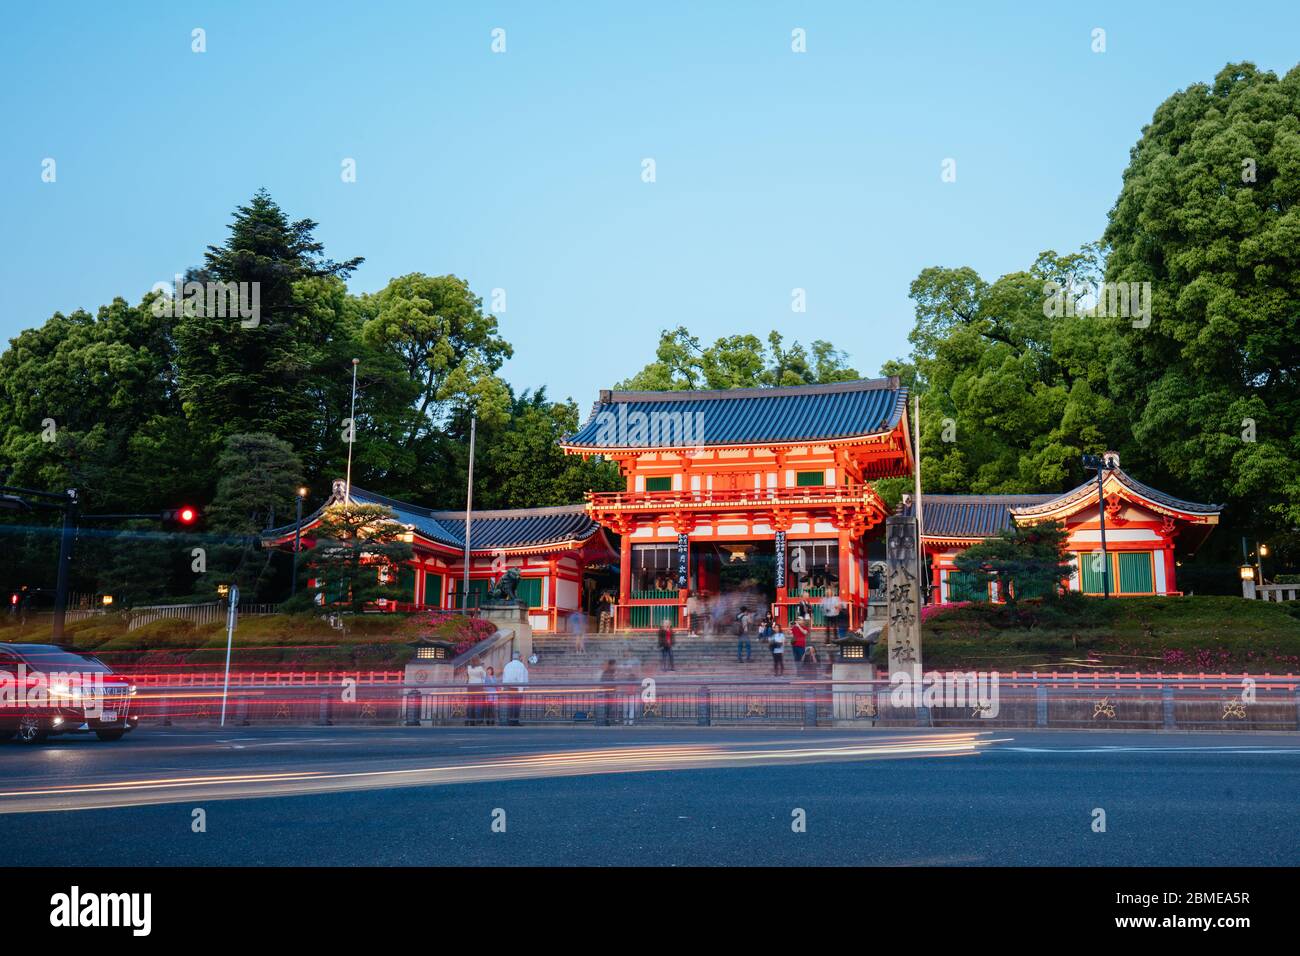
(522, 170)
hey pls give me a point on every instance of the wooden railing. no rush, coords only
(1275, 592)
(714, 497)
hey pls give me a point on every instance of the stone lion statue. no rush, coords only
(503, 592)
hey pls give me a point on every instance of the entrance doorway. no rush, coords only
(732, 575)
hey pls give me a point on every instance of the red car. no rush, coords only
(46, 690)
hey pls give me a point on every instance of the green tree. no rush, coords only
(1209, 215)
(241, 375)
(738, 361)
(521, 464)
(1025, 561)
(1011, 397)
(260, 475)
(357, 555)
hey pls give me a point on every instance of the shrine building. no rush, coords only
(754, 496)
(1146, 532)
(759, 497)
(561, 553)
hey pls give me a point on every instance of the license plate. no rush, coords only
(109, 715)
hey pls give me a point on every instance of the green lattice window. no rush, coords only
(406, 583)
(1090, 569)
(530, 591)
(664, 483)
(651, 615)
(1135, 575)
(965, 587)
(433, 589)
(806, 479)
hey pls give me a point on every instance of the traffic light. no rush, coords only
(184, 515)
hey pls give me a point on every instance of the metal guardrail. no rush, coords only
(1272, 705)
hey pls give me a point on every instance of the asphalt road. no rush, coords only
(637, 796)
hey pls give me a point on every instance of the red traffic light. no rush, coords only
(182, 515)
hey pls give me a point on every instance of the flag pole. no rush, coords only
(469, 517)
(919, 511)
(352, 433)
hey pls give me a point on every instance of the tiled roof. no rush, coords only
(508, 528)
(1089, 490)
(970, 516)
(742, 416)
(982, 516)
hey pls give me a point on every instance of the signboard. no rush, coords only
(780, 559)
(683, 560)
(903, 591)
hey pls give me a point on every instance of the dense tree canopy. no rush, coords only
(1209, 214)
(738, 361)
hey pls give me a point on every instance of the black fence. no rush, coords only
(1152, 706)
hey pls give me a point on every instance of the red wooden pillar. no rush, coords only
(1171, 584)
(846, 560)
(624, 577)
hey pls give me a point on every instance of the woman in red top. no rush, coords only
(799, 633)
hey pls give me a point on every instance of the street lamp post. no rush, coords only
(297, 542)
(1100, 465)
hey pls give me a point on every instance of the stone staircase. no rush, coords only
(694, 658)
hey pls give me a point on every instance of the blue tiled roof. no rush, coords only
(742, 416)
(1089, 490)
(510, 528)
(970, 516)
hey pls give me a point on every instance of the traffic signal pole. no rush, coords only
(69, 504)
(67, 538)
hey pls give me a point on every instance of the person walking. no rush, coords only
(514, 677)
(475, 674)
(609, 691)
(799, 638)
(810, 657)
(631, 675)
(744, 649)
(666, 646)
(606, 624)
(578, 627)
(776, 640)
(831, 616)
(490, 687)
(693, 614)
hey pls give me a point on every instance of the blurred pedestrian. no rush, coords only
(514, 678)
(490, 686)
(475, 674)
(799, 638)
(666, 645)
(609, 692)
(744, 649)
(578, 627)
(776, 640)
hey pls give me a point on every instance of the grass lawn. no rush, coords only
(1191, 634)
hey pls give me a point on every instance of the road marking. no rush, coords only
(1154, 750)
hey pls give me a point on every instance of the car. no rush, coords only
(46, 689)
